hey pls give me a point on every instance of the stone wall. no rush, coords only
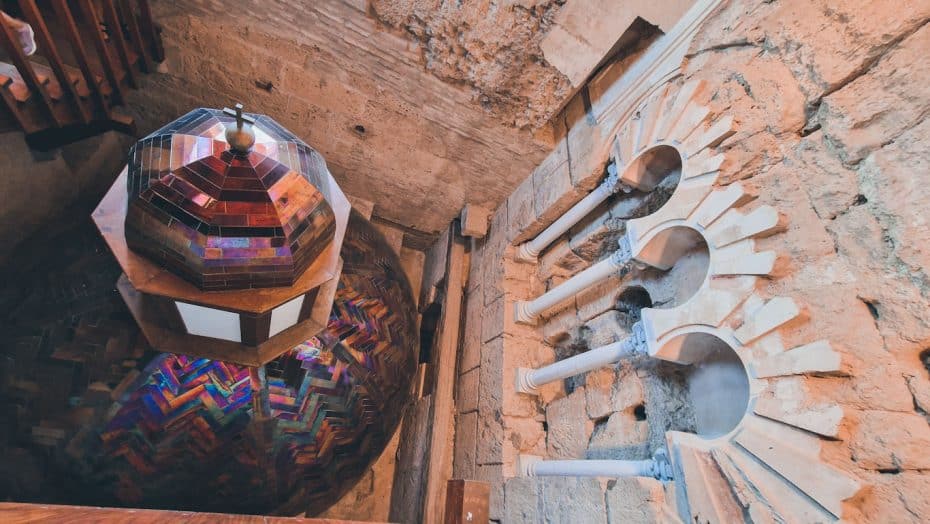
(830, 101)
(418, 147)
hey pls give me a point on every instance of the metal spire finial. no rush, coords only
(241, 138)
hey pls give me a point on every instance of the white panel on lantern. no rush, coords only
(285, 315)
(209, 322)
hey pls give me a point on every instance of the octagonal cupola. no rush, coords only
(228, 200)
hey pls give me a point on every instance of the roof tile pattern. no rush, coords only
(222, 219)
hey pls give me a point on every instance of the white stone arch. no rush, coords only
(769, 464)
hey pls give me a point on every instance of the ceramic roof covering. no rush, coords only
(222, 219)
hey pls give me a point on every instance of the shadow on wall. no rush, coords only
(41, 187)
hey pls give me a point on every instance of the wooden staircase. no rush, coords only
(90, 52)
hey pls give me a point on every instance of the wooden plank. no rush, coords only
(50, 51)
(129, 15)
(28, 74)
(66, 19)
(467, 501)
(109, 66)
(18, 513)
(439, 467)
(116, 36)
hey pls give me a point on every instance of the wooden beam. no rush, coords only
(439, 460)
(50, 50)
(20, 513)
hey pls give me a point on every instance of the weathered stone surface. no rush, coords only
(609, 390)
(466, 398)
(634, 500)
(521, 501)
(585, 502)
(458, 41)
(471, 339)
(620, 430)
(493, 475)
(475, 221)
(891, 98)
(466, 440)
(888, 441)
(902, 498)
(569, 426)
(357, 92)
(606, 328)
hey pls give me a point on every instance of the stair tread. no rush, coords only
(12, 81)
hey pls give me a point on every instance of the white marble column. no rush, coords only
(530, 250)
(529, 380)
(528, 311)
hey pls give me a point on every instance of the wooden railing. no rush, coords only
(89, 52)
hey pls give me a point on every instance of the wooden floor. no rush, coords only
(16, 513)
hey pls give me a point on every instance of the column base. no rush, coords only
(522, 383)
(522, 315)
(525, 464)
(525, 255)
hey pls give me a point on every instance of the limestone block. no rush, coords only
(467, 392)
(521, 213)
(490, 376)
(493, 475)
(795, 456)
(492, 319)
(559, 260)
(787, 401)
(898, 497)
(500, 359)
(521, 435)
(765, 495)
(589, 238)
(492, 276)
(635, 499)
(710, 498)
(569, 426)
(773, 314)
(471, 338)
(558, 326)
(876, 107)
(609, 391)
(816, 357)
(475, 221)
(552, 184)
(606, 328)
(599, 298)
(365, 207)
(620, 429)
(527, 353)
(734, 226)
(585, 502)
(888, 441)
(466, 441)
(490, 446)
(521, 501)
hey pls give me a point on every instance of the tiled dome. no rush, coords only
(225, 219)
